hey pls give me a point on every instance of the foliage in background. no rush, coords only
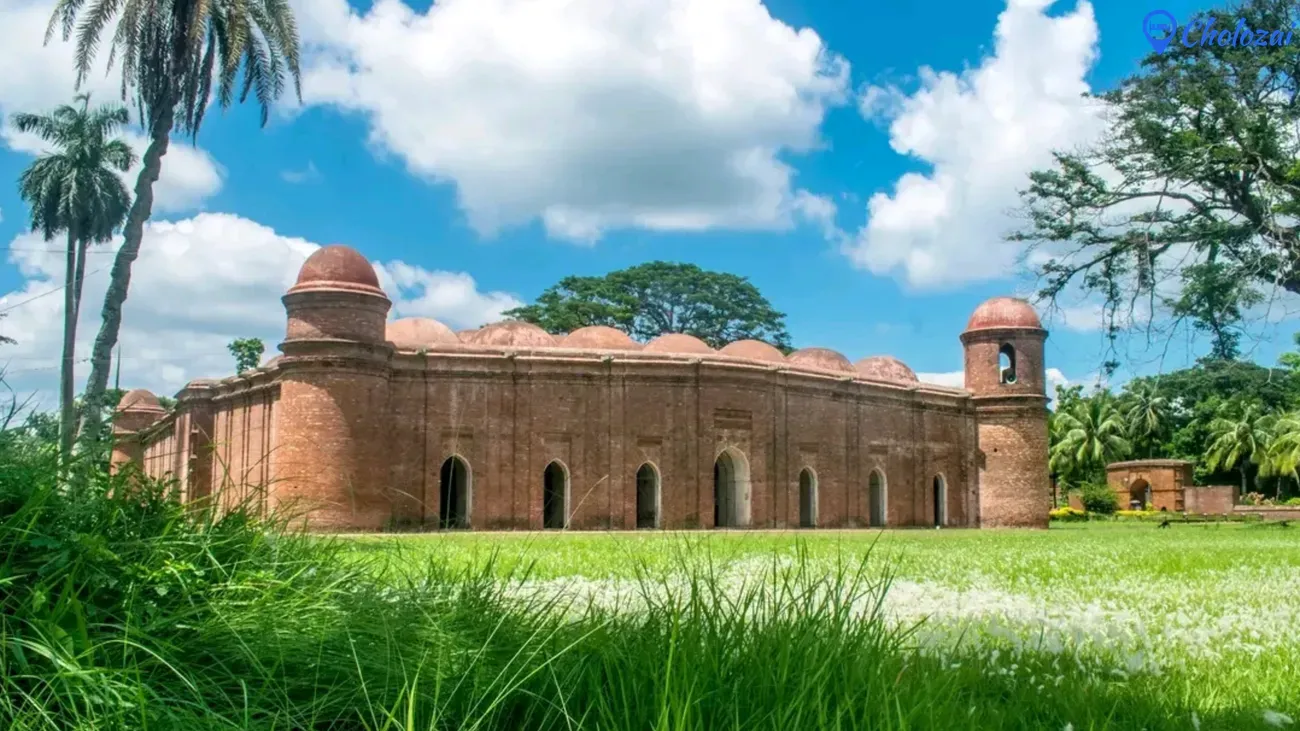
(76, 191)
(1187, 210)
(247, 352)
(660, 297)
(1098, 497)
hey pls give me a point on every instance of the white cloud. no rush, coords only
(981, 132)
(306, 175)
(35, 77)
(585, 114)
(198, 284)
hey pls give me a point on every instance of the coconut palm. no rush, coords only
(1147, 416)
(1284, 450)
(1088, 434)
(76, 191)
(1241, 436)
(174, 54)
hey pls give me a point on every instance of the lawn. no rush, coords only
(1207, 613)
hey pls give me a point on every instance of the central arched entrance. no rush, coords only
(807, 499)
(940, 501)
(1139, 494)
(555, 496)
(647, 497)
(730, 490)
(876, 499)
(453, 494)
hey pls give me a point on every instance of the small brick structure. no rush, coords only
(1155, 482)
(364, 424)
(1210, 499)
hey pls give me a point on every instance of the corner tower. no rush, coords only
(1003, 343)
(329, 459)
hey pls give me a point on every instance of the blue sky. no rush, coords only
(480, 151)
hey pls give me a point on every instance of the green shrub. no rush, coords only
(1292, 501)
(1099, 498)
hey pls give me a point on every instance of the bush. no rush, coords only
(1292, 501)
(1067, 515)
(1099, 498)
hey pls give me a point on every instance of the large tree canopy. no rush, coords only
(1186, 212)
(660, 297)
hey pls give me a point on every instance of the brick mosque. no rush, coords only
(366, 424)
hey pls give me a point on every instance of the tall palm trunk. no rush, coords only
(67, 412)
(120, 277)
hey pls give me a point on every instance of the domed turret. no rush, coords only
(753, 350)
(1003, 344)
(336, 298)
(599, 337)
(337, 267)
(885, 368)
(822, 359)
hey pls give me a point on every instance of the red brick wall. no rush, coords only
(1166, 478)
(1210, 500)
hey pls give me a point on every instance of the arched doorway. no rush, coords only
(807, 498)
(647, 497)
(876, 515)
(1139, 494)
(555, 496)
(453, 494)
(940, 501)
(730, 490)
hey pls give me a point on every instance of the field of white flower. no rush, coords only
(1218, 604)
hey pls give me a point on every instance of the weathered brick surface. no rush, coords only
(1210, 500)
(355, 433)
(1161, 481)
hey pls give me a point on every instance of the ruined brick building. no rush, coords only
(366, 424)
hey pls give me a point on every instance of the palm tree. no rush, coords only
(174, 55)
(1090, 433)
(1146, 416)
(1241, 436)
(76, 191)
(1284, 450)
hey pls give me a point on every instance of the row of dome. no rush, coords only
(421, 333)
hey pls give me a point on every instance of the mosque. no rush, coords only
(366, 424)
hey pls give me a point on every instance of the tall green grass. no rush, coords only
(120, 608)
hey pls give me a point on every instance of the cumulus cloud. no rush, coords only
(36, 77)
(584, 114)
(980, 132)
(198, 284)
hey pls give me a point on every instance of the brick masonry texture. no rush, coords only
(351, 433)
(1161, 482)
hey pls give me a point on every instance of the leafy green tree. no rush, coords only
(1088, 434)
(1241, 437)
(247, 352)
(76, 191)
(1188, 207)
(176, 58)
(660, 297)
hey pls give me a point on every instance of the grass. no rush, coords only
(121, 609)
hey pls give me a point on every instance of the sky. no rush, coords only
(858, 162)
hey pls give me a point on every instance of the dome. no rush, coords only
(885, 368)
(821, 358)
(1004, 312)
(753, 350)
(417, 333)
(678, 343)
(139, 400)
(599, 337)
(337, 267)
(465, 335)
(511, 332)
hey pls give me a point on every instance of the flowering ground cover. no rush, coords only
(1209, 614)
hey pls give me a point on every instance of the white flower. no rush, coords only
(1278, 720)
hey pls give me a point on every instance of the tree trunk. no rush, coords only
(120, 277)
(1243, 480)
(67, 413)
